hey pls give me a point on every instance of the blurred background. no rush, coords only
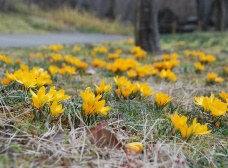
(109, 16)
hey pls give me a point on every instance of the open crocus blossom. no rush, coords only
(27, 79)
(145, 89)
(101, 108)
(92, 104)
(131, 73)
(60, 95)
(162, 99)
(57, 95)
(212, 104)
(102, 88)
(56, 109)
(178, 121)
(168, 74)
(121, 81)
(213, 77)
(194, 129)
(40, 98)
(127, 89)
(218, 108)
(224, 96)
(30, 78)
(98, 63)
(204, 101)
(87, 95)
(198, 66)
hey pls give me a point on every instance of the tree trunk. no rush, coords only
(4, 5)
(200, 14)
(111, 10)
(127, 11)
(146, 26)
(209, 15)
(220, 15)
(28, 2)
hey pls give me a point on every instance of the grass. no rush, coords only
(35, 20)
(21, 23)
(87, 22)
(62, 140)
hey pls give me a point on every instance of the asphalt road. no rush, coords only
(33, 40)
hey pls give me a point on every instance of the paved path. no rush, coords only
(32, 40)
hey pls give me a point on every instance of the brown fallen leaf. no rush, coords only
(102, 137)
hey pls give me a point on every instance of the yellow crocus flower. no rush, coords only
(53, 69)
(211, 76)
(56, 109)
(39, 99)
(198, 129)
(60, 95)
(171, 76)
(224, 96)
(10, 76)
(162, 99)
(5, 81)
(178, 121)
(101, 108)
(136, 147)
(210, 58)
(121, 81)
(131, 73)
(145, 89)
(27, 79)
(113, 55)
(98, 63)
(70, 70)
(199, 66)
(88, 107)
(218, 108)
(102, 88)
(219, 79)
(194, 129)
(126, 91)
(93, 105)
(185, 131)
(88, 95)
(204, 101)
(199, 100)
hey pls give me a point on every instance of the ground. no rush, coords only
(31, 140)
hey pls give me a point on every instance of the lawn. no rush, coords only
(21, 23)
(65, 19)
(163, 110)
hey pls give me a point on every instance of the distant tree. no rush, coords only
(220, 15)
(111, 10)
(146, 25)
(4, 5)
(200, 14)
(9, 5)
(105, 8)
(126, 15)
